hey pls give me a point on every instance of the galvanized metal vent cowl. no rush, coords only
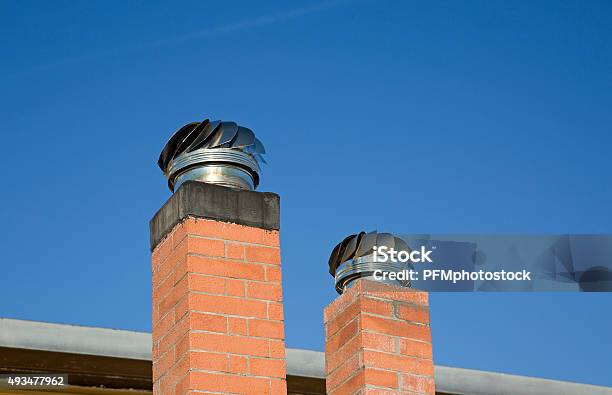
(217, 152)
(353, 258)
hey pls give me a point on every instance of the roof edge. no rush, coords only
(42, 336)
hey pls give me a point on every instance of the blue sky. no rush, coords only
(401, 116)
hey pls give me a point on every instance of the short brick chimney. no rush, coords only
(217, 299)
(378, 341)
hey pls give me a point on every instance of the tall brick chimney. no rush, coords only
(378, 341)
(217, 298)
(377, 334)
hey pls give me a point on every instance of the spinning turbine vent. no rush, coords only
(218, 152)
(353, 258)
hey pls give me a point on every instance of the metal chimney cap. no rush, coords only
(217, 152)
(353, 258)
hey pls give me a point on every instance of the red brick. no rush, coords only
(384, 291)
(234, 251)
(415, 348)
(335, 357)
(396, 328)
(413, 313)
(415, 297)
(155, 312)
(231, 269)
(202, 360)
(228, 305)
(376, 306)
(240, 345)
(155, 350)
(337, 306)
(267, 367)
(181, 308)
(179, 233)
(235, 287)
(273, 274)
(208, 284)
(350, 386)
(270, 238)
(163, 281)
(265, 328)
(275, 311)
(341, 317)
(347, 369)
(218, 318)
(375, 333)
(177, 332)
(278, 387)
(276, 349)
(343, 335)
(213, 382)
(233, 232)
(381, 378)
(208, 322)
(238, 364)
(268, 255)
(206, 227)
(381, 391)
(264, 291)
(418, 384)
(175, 374)
(163, 364)
(181, 348)
(180, 270)
(178, 291)
(161, 252)
(163, 325)
(207, 247)
(398, 363)
(168, 266)
(237, 326)
(379, 342)
(163, 288)
(182, 387)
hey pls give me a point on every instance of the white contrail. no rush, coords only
(232, 27)
(250, 23)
